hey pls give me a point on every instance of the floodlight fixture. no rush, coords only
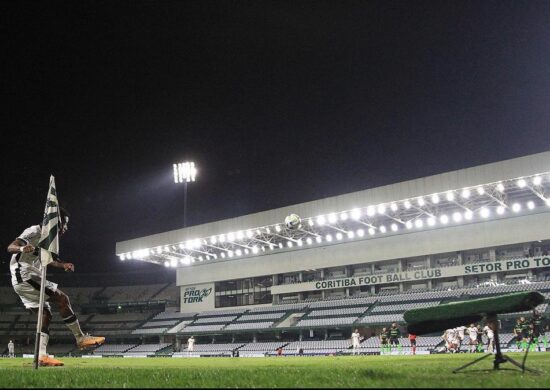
(500, 210)
(343, 216)
(351, 234)
(530, 205)
(356, 214)
(382, 229)
(457, 216)
(421, 201)
(393, 207)
(480, 190)
(465, 193)
(407, 204)
(500, 187)
(394, 227)
(435, 198)
(537, 180)
(371, 231)
(516, 207)
(371, 210)
(468, 215)
(321, 220)
(419, 223)
(521, 183)
(450, 196)
(332, 218)
(431, 221)
(381, 208)
(444, 219)
(485, 212)
(328, 237)
(339, 236)
(185, 172)
(408, 225)
(360, 232)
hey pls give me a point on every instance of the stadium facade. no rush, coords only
(485, 225)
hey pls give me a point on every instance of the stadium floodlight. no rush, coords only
(431, 221)
(444, 219)
(530, 205)
(328, 237)
(231, 236)
(485, 212)
(435, 198)
(339, 236)
(167, 264)
(122, 257)
(371, 211)
(500, 210)
(360, 232)
(222, 255)
(516, 207)
(356, 214)
(249, 233)
(300, 242)
(394, 227)
(309, 241)
(457, 216)
(393, 207)
(351, 234)
(480, 190)
(280, 245)
(408, 225)
(310, 222)
(343, 216)
(468, 215)
(240, 235)
(521, 183)
(230, 253)
(381, 208)
(407, 204)
(213, 240)
(254, 249)
(465, 193)
(421, 201)
(547, 201)
(537, 180)
(500, 187)
(371, 231)
(289, 244)
(419, 223)
(319, 239)
(332, 218)
(321, 220)
(382, 229)
(222, 238)
(174, 263)
(238, 252)
(450, 196)
(184, 173)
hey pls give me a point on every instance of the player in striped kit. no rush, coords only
(26, 280)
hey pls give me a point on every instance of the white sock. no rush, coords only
(74, 326)
(44, 337)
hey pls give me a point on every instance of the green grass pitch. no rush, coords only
(286, 372)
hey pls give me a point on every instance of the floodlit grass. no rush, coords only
(294, 372)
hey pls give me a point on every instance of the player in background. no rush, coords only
(490, 338)
(518, 332)
(11, 349)
(537, 322)
(395, 333)
(460, 334)
(472, 334)
(479, 338)
(190, 344)
(412, 340)
(355, 340)
(26, 280)
(384, 335)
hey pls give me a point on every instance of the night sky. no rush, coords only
(277, 102)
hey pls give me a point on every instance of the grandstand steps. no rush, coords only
(289, 320)
(161, 290)
(178, 327)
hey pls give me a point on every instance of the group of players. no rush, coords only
(530, 332)
(526, 332)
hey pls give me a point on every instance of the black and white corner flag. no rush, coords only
(49, 237)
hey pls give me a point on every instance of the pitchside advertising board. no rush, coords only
(199, 297)
(407, 276)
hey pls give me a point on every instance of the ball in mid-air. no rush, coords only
(292, 221)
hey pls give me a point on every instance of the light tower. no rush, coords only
(184, 172)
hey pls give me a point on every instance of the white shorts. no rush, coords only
(29, 292)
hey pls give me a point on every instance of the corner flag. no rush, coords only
(49, 238)
(48, 244)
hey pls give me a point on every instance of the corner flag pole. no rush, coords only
(49, 243)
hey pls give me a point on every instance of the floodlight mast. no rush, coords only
(184, 172)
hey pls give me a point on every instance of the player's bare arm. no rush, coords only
(20, 246)
(68, 267)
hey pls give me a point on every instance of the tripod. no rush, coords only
(499, 357)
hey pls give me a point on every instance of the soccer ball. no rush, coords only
(292, 221)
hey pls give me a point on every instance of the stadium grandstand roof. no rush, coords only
(495, 191)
